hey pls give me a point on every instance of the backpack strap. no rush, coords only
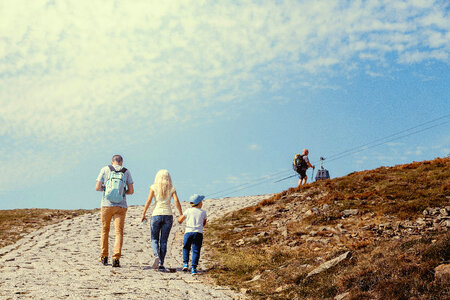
(112, 169)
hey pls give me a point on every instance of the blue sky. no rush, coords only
(219, 93)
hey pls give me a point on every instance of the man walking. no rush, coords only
(301, 164)
(115, 182)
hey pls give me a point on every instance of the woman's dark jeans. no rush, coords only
(160, 230)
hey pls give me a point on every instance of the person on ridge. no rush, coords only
(162, 218)
(115, 182)
(301, 164)
(193, 237)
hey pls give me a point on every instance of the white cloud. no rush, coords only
(67, 67)
(394, 144)
(417, 151)
(254, 147)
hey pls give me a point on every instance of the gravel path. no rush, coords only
(60, 261)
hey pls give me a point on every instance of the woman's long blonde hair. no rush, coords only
(163, 183)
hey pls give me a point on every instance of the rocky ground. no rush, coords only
(377, 234)
(60, 261)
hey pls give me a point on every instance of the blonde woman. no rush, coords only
(162, 218)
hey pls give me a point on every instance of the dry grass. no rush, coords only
(16, 223)
(268, 249)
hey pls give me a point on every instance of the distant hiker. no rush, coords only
(301, 164)
(193, 237)
(115, 182)
(162, 218)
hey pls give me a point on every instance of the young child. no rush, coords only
(193, 236)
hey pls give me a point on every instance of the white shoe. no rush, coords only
(155, 263)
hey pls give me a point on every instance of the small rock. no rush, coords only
(315, 210)
(329, 264)
(342, 296)
(252, 239)
(350, 212)
(257, 277)
(238, 230)
(294, 243)
(240, 242)
(308, 213)
(281, 288)
(421, 221)
(442, 272)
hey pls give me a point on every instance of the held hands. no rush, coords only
(181, 219)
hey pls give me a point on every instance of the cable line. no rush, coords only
(388, 141)
(389, 136)
(263, 179)
(354, 150)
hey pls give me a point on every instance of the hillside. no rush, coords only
(16, 223)
(379, 234)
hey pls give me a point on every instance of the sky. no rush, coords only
(222, 94)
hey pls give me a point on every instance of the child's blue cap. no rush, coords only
(196, 199)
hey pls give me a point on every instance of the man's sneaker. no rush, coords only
(104, 260)
(161, 268)
(155, 263)
(185, 267)
(194, 271)
(115, 263)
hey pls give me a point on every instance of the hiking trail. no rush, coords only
(61, 261)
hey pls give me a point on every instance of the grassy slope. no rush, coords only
(269, 249)
(16, 223)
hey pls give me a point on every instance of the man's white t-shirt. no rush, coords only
(194, 219)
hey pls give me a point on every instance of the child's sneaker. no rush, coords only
(104, 260)
(155, 263)
(116, 263)
(194, 271)
(185, 267)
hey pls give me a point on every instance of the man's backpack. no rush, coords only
(299, 163)
(115, 185)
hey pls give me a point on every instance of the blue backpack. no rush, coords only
(115, 185)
